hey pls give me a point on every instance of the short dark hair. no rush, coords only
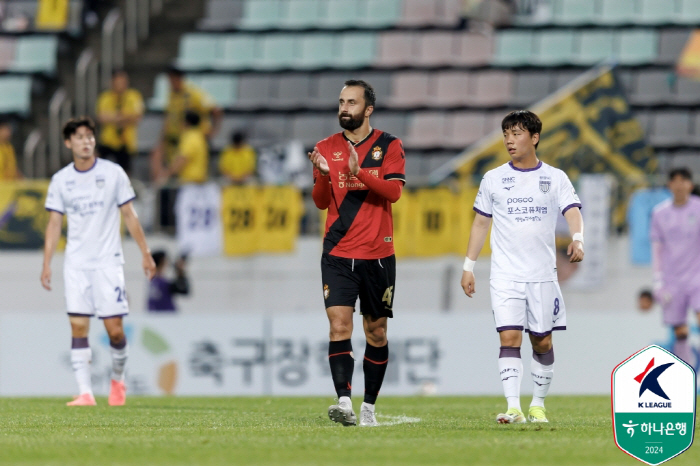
(175, 71)
(5, 121)
(646, 293)
(683, 172)
(238, 137)
(72, 125)
(159, 257)
(524, 119)
(192, 118)
(370, 96)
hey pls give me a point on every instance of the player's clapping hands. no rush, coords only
(575, 251)
(353, 161)
(319, 161)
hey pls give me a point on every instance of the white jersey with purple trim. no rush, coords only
(524, 205)
(91, 200)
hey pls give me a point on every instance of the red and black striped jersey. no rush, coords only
(359, 223)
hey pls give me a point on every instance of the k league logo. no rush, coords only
(653, 404)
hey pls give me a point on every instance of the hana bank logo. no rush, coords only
(649, 381)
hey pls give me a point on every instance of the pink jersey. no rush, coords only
(677, 229)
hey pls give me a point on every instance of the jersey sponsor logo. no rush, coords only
(377, 153)
(388, 239)
(100, 181)
(508, 188)
(337, 157)
(519, 200)
(510, 179)
(70, 184)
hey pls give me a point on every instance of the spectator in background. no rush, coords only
(161, 290)
(119, 111)
(8, 160)
(238, 160)
(645, 301)
(675, 237)
(191, 162)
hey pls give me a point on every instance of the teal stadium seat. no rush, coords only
(161, 89)
(656, 12)
(16, 94)
(278, 51)
(341, 13)
(554, 47)
(513, 47)
(637, 46)
(574, 12)
(238, 51)
(261, 14)
(381, 13)
(356, 49)
(198, 51)
(221, 88)
(36, 54)
(317, 51)
(689, 12)
(595, 45)
(617, 12)
(302, 14)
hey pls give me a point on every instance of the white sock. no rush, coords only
(345, 399)
(80, 359)
(119, 357)
(511, 370)
(542, 377)
(367, 406)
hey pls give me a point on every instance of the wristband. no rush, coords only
(578, 237)
(468, 265)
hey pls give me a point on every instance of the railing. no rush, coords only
(86, 83)
(112, 45)
(34, 160)
(59, 111)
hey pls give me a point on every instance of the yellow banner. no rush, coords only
(52, 14)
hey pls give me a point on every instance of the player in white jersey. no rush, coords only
(524, 198)
(92, 192)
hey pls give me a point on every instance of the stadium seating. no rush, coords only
(35, 54)
(16, 94)
(570, 12)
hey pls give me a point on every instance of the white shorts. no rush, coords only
(98, 292)
(537, 308)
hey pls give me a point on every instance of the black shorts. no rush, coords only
(372, 280)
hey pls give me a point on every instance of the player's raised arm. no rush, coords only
(388, 189)
(575, 220)
(477, 237)
(53, 234)
(134, 226)
(321, 193)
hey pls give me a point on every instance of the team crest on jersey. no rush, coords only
(337, 156)
(100, 181)
(377, 153)
(545, 184)
(326, 292)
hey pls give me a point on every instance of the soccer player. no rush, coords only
(524, 198)
(675, 240)
(161, 291)
(92, 192)
(358, 174)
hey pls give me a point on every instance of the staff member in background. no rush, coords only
(8, 160)
(191, 161)
(161, 290)
(119, 111)
(238, 160)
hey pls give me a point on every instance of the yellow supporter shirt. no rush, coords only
(237, 163)
(8, 162)
(130, 103)
(193, 146)
(191, 98)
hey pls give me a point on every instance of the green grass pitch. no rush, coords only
(281, 431)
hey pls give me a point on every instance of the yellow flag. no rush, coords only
(52, 14)
(279, 210)
(239, 215)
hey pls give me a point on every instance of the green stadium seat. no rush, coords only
(35, 54)
(278, 51)
(238, 51)
(198, 51)
(302, 14)
(161, 89)
(356, 49)
(656, 12)
(317, 51)
(689, 12)
(637, 46)
(574, 12)
(554, 47)
(341, 13)
(513, 47)
(381, 13)
(16, 94)
(617, 12)
(261, 14)
(595, 45)
(221, 88)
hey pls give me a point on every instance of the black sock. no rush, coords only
(342, 365)
(374, 365)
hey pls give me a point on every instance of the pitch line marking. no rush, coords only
(395, 420)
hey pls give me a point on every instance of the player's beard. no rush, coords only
(351, 122)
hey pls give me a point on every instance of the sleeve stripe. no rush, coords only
(482, 213)
(127, 201)
(569, 207)
(395, 176)
(54, 210)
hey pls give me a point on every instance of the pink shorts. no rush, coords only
(676, 300)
